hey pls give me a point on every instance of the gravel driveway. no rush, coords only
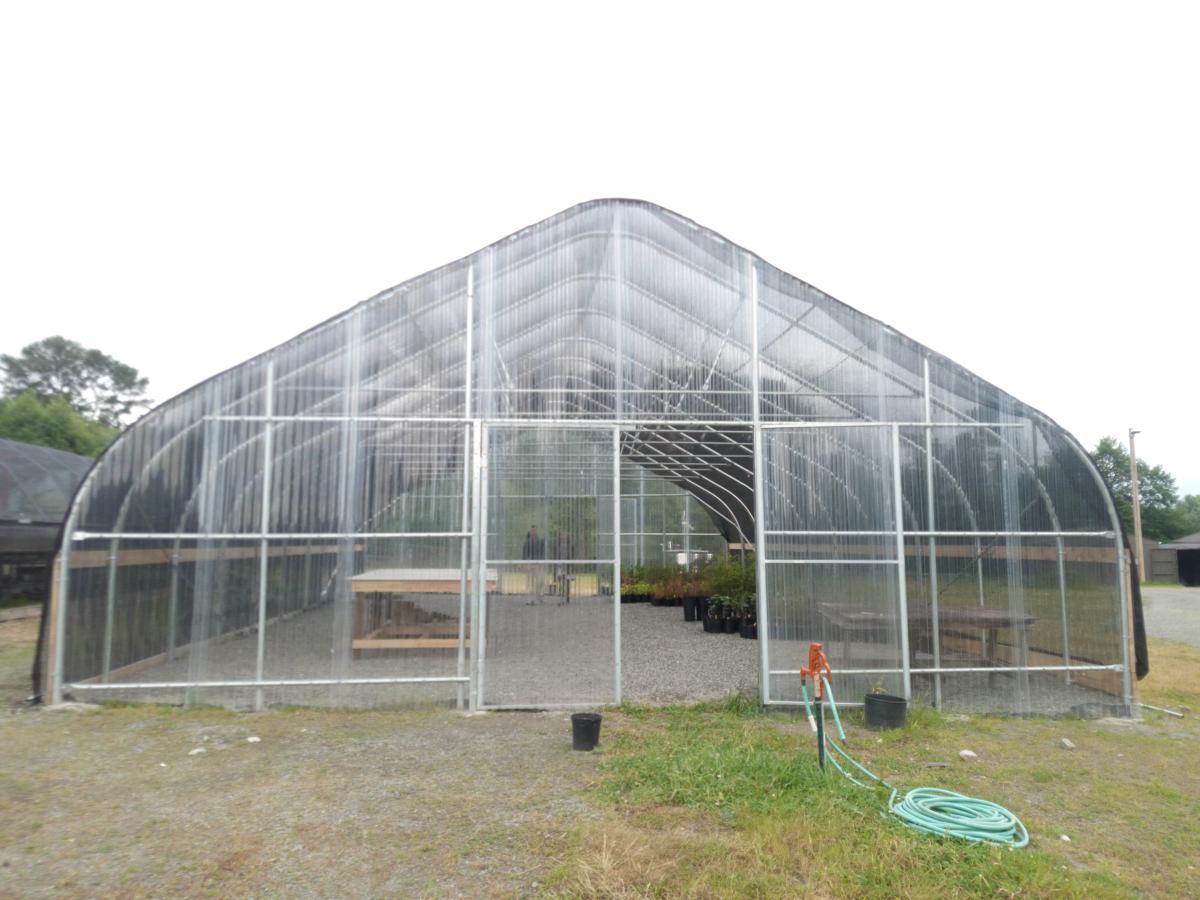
(1172, 613)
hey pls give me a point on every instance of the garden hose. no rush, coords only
(932, 810)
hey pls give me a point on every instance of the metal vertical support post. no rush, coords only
(935, 629)
(619, 311)
(686, 528)
(901, 569)
(467, 373)
(820, 717)
(760, 542)
(110, 604)
(479, 552)
(202, 588)
(979, 571)
(1123, 580)
(348, 510)
(468, 464)
(1062, 601)
(616, 513)
(640, 545)
(173, 603)
(60, 618)
(467, 458)
(264, 559)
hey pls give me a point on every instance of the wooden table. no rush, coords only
(384, 619)
(987, 621)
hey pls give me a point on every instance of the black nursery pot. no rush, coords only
(585, 731)
(749, 630)
(712, 625)
(701, 608)
(689, 609)
(731, 625)
(885, 711)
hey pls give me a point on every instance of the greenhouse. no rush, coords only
(444, 495)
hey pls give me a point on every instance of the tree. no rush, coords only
(1156, 487)
(95, 385)
(52, 423)
(1187, 515)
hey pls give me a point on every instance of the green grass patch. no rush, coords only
(732, 802)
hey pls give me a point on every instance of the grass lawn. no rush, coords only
(705, 801)
(716, 801)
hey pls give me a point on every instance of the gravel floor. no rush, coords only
(539, 653)
(1172, 614)
(667, 660)
(543, 654)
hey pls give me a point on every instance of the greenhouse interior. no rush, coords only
(613, 457)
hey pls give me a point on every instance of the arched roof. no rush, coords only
(611, 310)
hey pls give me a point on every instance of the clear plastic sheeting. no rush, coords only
(433, 496)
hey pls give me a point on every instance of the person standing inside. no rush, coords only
(562, 578)
(534, 548)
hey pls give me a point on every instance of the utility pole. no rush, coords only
(1137, 508)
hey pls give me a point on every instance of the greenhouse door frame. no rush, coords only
(480, 560)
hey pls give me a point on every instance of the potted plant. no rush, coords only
(883, 710)
(693, 589)
(658, 589)
(635, 593)
(689, 605)
(674, 588)
(714, 617)
(735, 607)
(749, 627)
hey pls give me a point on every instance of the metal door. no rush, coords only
(548, 576)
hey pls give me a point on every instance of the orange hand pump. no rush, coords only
(817, 667)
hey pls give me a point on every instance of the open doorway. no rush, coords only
(687, 594)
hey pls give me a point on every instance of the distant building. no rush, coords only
(1178, 560)
(36, 487)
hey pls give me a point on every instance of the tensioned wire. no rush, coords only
(929, 809)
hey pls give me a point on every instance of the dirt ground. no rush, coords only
(116, 802)
(138, 801)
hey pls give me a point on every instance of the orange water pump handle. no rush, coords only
(818, 665)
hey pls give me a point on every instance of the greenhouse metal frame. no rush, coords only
(346, 519)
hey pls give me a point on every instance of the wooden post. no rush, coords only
(1135, 490)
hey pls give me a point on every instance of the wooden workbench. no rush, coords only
(385, 619)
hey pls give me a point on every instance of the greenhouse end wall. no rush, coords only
(346, 519)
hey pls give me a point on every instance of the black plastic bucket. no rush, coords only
(885, 711)
(585, 731)
(689, 609)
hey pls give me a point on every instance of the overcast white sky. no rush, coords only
(1013, 184)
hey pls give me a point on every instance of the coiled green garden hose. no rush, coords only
(933, 810)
